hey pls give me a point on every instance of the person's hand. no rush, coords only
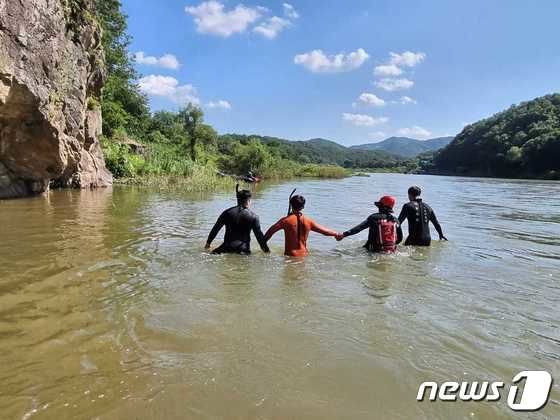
(442, 238)
(339, 237)
(207, 246)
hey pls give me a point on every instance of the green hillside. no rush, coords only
(405, 146)
(320, 151)
(523, 141)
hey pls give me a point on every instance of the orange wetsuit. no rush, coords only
(296, 243)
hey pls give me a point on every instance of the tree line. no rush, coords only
(523, 141)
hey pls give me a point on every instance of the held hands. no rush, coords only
(339, 237)
(207, 246)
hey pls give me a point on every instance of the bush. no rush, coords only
(322, 171)
(253, 156)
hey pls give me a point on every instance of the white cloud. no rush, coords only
(391, 85)
(386, 70)
(377, 135)
(405, 100)
(415, 132)
(407, 58)
(220, 104)
(290, 12)
(317, 61)
(168, 61)
(168, 87)
(363, 120)
(371, 99)
(211, 18)
(272, 27)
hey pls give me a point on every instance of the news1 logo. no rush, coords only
(533, 397)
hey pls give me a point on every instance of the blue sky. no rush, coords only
(300, 69)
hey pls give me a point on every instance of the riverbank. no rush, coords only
(549, 176)
(207, 179)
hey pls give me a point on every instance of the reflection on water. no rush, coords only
(110, 308)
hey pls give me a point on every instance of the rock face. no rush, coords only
(51, 71)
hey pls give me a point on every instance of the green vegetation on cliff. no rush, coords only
(523, 141)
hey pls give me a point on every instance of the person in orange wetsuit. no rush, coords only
(296, 229)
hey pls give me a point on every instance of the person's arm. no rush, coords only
(436, 224)
(259, 235)
(402, 216)
(322, 230)
(214, 232)
(357, 229)
(273, 229)
(399, 233)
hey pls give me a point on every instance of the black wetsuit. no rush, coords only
(239, 221)
(419, 214)
(373, 243)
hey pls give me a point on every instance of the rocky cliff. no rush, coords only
(51, 72)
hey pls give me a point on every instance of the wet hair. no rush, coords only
(297, 202)
(243, 196)
(415, 191)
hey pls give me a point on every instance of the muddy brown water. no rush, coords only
(109, 308)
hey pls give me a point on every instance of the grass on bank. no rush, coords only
(167, 166)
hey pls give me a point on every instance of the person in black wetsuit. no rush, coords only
(419, 214)
(239, 222)
(384, 229)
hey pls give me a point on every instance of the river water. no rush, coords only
(109, 308)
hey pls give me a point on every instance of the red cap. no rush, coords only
(386, 201)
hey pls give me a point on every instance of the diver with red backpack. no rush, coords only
(384, 229)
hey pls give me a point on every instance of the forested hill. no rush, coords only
(523, 141)
(405, 146)
(319, 151)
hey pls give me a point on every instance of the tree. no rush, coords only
(122, 103)
(191, 117)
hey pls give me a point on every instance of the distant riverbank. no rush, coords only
(208, 179)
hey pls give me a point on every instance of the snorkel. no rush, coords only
(290, 201)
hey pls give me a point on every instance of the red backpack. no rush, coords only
(387, 235)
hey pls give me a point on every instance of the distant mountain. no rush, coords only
(405, 146)
(320, 151)
(325, 143)
(438, 142)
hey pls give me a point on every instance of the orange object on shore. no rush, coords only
(296, 229)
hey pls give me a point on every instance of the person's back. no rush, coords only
(239, 222)
(384, 233)
(296, 229)
(419, 215)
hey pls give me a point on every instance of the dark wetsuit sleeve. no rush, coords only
(217, 226)
(357, 229)
(403, 214)
(259, 235)
(399, 233)
(435, 222)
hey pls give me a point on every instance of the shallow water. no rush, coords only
(109, 307)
